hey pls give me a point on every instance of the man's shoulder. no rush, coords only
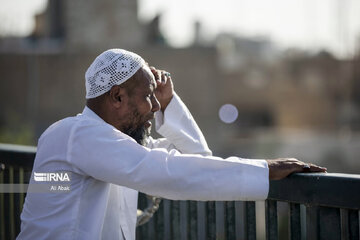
(69, 123)
(80, 127)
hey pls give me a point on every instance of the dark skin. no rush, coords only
(129, 105)
(282, 167)
(134, 103)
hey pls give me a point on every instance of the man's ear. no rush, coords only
(117, 96)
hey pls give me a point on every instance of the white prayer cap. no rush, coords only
(112, 67)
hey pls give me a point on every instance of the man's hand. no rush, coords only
(282, 167)
(165, 87)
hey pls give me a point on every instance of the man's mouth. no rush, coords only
(147, 124)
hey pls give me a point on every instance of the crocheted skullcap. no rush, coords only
(112, 67)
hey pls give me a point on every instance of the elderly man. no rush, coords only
(108, 151)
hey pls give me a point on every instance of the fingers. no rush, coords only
(164, 77)
(305, 167)
(314, 168)
(161, 76)
(308, 167)
(157, 74)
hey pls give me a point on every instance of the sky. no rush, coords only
(306, 24)
(17, 16)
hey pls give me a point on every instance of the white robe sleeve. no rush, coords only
(101, 151)
(179, 129)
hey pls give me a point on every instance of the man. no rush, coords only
(110, 157)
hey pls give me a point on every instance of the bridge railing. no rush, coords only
(320, 206)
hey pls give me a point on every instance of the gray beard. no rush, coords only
(140, 135)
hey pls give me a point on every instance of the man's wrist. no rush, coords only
(166, 102)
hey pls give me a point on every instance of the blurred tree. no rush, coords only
(15, 131)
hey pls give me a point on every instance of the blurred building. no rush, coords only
(43, 74)
(276, 93)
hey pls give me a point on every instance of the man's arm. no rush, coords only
(111, 156)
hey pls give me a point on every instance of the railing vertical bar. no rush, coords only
(151, 225)
(303, 221)
(17, 207)
(312, 222)
(183, 220)
(159, 221)
(7, 213)
(9, 201)
(239, 220)
(250, 222)
(2, 207)
(329, 223)
(344, 216)
(175, 226)
(271, 220)
(22, 194)
(220, 220)
(294, 221)
(167, 219)
(230, 220)
(211, 226)
(354, 224)
(141, 231)
(12, 205)
(201, 220)
(192, 220)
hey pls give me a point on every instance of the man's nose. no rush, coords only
(155, 104)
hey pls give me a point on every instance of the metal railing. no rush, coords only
(16, 164)
(320, 206)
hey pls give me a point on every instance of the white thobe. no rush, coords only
(108, 168)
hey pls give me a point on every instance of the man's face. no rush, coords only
(142, 105)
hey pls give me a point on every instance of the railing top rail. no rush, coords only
(323, 189)
(17, 155)
(17, 148)
(330, 189)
